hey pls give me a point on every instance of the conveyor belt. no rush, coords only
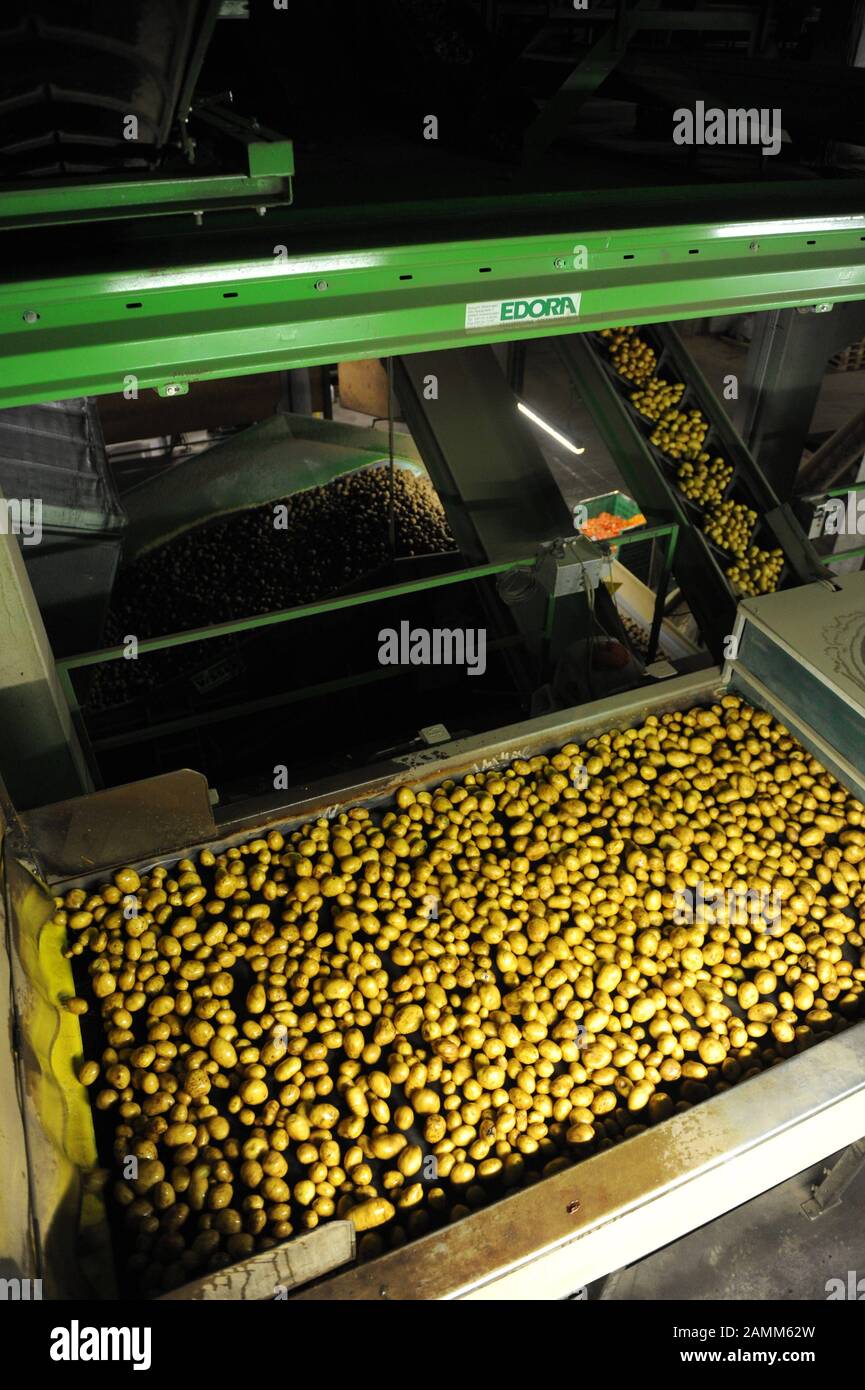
(73, 75)
(621, 1203)
(700, 565)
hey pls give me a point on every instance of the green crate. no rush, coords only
(616, 503)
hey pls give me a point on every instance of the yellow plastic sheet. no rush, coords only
(76, 1258)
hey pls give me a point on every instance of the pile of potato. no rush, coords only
(658, 398)
(638, 636)
(681, 435)
(730, 525)
(705, 481)
(632, 356)
(308, 546)
(398, 1015)
(757, 571)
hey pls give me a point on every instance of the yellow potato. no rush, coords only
(374, 1212)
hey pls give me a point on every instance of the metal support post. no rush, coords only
(784, 372)
(40, 756)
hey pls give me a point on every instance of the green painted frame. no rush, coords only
(183, 317)
(66, 665)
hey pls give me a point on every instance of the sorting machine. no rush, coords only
(170, 304)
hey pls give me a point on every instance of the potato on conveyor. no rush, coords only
(515, 971)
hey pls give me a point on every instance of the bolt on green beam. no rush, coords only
(69, 335)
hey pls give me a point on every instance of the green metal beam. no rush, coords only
(89, 334)
(56, 203)
(207, 718)
(287, 615)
